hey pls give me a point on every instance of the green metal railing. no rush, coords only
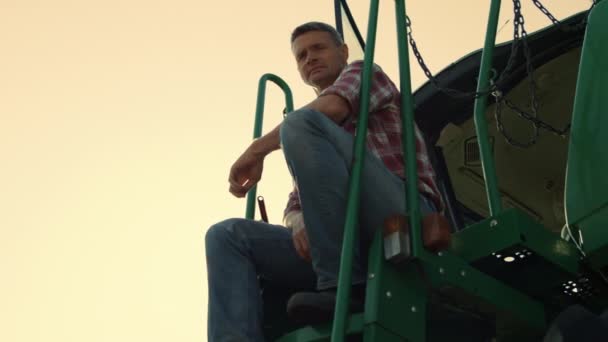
(257, 128)
(407, 115)
(409, 134)
(352, 209)
(481, 124)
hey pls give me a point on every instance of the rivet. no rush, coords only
(441, 271)
(388, 294)
(493, 223)
(372, 276)
(414, 309)
(463, 273)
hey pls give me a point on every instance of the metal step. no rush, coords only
(521, 253)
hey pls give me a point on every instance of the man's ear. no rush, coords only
(344, 49)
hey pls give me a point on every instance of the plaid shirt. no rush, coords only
(384, 128)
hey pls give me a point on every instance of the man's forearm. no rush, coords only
(333, 106)
(267, 143)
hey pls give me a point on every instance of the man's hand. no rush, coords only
(245, 172)
(295, 221)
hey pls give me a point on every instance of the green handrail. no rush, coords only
(352, 209)
(257, 128)
(481, 125)
(409, 133)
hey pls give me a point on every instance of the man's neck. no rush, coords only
(319, 90)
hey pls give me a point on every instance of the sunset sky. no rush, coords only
(119, 121)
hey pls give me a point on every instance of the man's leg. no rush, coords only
(319, 155)
(238, 251)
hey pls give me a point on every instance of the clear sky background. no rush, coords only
(119, 121)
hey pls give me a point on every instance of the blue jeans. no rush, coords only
(319, 156)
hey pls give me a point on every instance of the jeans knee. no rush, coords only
(218, 236)
(297, 125)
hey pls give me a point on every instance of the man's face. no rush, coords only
(319, 59)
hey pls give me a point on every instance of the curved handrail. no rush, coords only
(257, 128)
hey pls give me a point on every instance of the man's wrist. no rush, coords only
(266, 144)
(258, 148)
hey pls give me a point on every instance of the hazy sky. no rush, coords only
(119, 121)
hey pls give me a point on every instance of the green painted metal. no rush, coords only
(481, 293)
(586, 178)
(486, 294)
(411, 285)
(409, 152)
(352, 209)
(395, 298)
(257, 128)
(399, 298)
(409, 135)
(518, 251)
(354, 326)
(481, 125)
(376, 333)
(596, 239)
(513, 227)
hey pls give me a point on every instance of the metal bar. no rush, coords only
(262, 206)
(257, 128)
(481, 125)
(338, 15)
(352, 209)
(409, 133)
(353, 24)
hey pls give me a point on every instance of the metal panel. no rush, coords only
(586, 180)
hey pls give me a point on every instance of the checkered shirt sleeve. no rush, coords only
(348, 84)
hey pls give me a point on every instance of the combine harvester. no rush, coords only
(525, 179)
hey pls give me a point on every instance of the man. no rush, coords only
(317, 141)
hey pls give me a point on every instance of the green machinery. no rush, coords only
(508, 271)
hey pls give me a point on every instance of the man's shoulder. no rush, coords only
(357, 65)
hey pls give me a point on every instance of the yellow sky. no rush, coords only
(118, 123)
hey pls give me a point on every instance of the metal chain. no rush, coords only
(519, 28)
(520, 34)
(455, 93)
(570, 28)
(545, 11)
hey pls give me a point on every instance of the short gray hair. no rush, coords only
(317, 26)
